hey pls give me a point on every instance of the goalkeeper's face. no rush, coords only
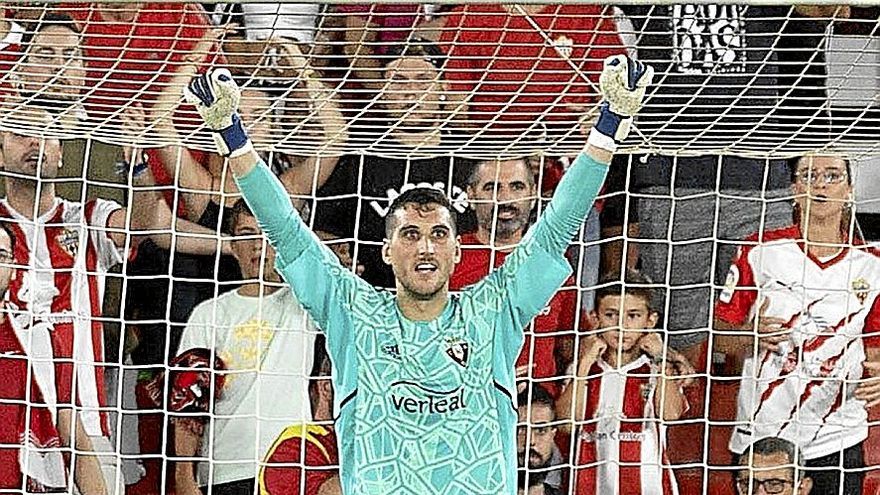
(422, 249)
(30, 156)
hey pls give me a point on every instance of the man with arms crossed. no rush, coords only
(425, 381)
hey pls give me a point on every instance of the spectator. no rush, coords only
(773, 466)
(502, 66)
(406, 121)
(252, 330)
(623, 393)
(270, 111)
(54, 289)
(28, 433)
(808, 292)
(538, 454)
(311, 446)
(52, 72)
(133, 48)
(503, 196)
(204, 188)
(703, 75)
(253, 31)
(372, 29)
(265, 20)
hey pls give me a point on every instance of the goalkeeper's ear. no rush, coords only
(386, 251)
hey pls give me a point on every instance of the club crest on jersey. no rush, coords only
(68, 240)
(860, 288)
(564, 46)
(458, 350)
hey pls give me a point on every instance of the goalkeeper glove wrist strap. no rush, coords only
(610, 129)
(233, 141)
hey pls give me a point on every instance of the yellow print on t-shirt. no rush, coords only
(249, 346)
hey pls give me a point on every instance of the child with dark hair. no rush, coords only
(624, 389)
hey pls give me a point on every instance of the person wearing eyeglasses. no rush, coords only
(772, 466)
(803, 306)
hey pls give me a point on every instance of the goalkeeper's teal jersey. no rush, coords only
(425, 407)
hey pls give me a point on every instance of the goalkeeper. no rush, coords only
(424, 381)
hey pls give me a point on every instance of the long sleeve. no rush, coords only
(570, 205)
(272, 208)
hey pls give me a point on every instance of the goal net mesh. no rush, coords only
(351, 104)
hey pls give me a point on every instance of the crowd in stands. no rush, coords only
(732, 265)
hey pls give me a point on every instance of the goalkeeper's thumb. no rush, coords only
(623, 83)
(216, 97)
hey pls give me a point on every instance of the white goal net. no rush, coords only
(144, 321)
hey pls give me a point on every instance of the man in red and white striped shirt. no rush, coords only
(810, 293)
(30, 454)
(65, 249)
(622, 398)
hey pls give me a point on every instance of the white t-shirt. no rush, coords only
(267, 345)
(804, 393)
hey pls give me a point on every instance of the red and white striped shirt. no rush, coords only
(31, 456)
(622, 446)
(65, 254)
(804, 393)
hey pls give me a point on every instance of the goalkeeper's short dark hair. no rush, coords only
(632, 282)
(421, 196)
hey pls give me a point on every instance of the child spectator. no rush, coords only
(622, 394)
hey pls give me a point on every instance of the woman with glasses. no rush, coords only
(802, 310)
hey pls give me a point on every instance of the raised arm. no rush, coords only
(317, 277)
(623, 83)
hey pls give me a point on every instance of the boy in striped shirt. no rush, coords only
(622, 395)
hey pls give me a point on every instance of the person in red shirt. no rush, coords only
(132, 49)
(503, 195)
(30, 455)
(507, 71)
(312, 446)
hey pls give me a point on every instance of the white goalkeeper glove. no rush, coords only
(623, 83)
(216, 96)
